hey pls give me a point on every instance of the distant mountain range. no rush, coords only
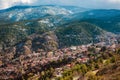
(19, 13)
(72, 25)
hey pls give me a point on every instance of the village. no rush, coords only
(60, 60)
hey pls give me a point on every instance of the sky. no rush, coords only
(101, 4)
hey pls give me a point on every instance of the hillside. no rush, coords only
(101, 66)
(68, 34)
(110, 72)
(77, 33)
(50, 42)
(105, 19)
(20, 13)
(71, 25)
(51, 15)
(111, 24)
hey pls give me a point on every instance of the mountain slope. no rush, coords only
(72, 25)
(77, 33)
(112, 24)
(53, 15)
(18, 13)
(106, 19)
(74, 33)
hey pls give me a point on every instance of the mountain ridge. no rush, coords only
(60, 21)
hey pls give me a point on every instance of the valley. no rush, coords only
(51, 42)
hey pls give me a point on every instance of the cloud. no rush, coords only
(114, 1)
(8, 3)
(114, 4)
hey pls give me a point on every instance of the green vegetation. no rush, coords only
(72, 34)
(78, 33)
(96, 69)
